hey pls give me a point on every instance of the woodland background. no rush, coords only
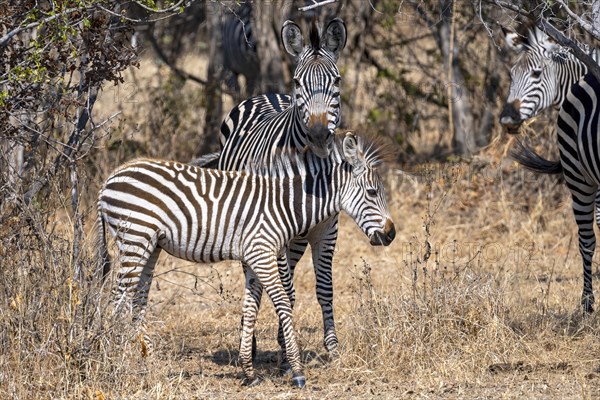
(477, 297)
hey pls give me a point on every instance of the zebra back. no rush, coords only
(208, 215)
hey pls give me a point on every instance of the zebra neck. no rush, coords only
(572, 71)
(321, 194)
(299, 131)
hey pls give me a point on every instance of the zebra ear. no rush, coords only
(352, 154)
(291, 35)
(334, 39)
(550, 45)
(514, 41)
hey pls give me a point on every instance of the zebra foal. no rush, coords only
(206, 215)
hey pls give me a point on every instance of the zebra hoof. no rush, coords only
(251, 382)
(587, 304)
(298, 381)
(334, 354)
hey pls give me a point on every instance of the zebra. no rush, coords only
(208, 215)
(544, 75)
(310, 114)
(541, 76)
(240, 56)
(261, 129)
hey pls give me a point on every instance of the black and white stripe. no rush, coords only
(541, 76)
(207, 215)
(546, 74)
(262, 129)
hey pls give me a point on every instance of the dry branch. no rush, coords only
(316, 5)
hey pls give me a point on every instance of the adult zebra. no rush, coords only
(540, 77)
(261, 129)
(544, 75)
(207, 215)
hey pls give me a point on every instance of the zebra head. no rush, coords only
(317, 80)
(539, 78)
(364, 200)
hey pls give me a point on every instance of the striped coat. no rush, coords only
(209, 215)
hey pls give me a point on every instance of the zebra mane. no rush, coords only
(315, 34)
(532, 38)
(375, 149)
(284, 164)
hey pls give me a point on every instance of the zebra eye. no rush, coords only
(337, 80)
(372, 192)
(536, 73)
(297, 82)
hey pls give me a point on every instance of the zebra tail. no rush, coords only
(532, 161)
(210, 160)
(102, 247)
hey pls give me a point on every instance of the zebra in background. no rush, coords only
(541, 76)
(239, 50)
(206, 215)
(544, 75)
(261, 129)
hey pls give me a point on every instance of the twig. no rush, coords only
(450, 70)
(6, 38)
(510, 6)
(174, 7)
(555, 34)
(590, 28)
(316, 5)
(182, 74)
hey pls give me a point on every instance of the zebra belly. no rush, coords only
(201, 245)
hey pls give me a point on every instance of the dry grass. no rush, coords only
(476, 298)
(491, 313)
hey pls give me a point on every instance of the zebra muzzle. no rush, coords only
(385, 236)
(319, 137)
(510, 117)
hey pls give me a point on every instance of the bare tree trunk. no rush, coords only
(214, 101)
(269, 53)
(596, 13)
(492, 82)
(459, 105)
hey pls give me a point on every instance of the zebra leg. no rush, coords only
(140, 301)
(137, 262)
(268, 274)
(584, 196)
(286, 265)
(598, 208)
(322, 241)
(252, 297)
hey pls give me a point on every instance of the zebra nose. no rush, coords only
(385, 236)
(510, 115)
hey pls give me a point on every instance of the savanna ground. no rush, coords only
(489, 309)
